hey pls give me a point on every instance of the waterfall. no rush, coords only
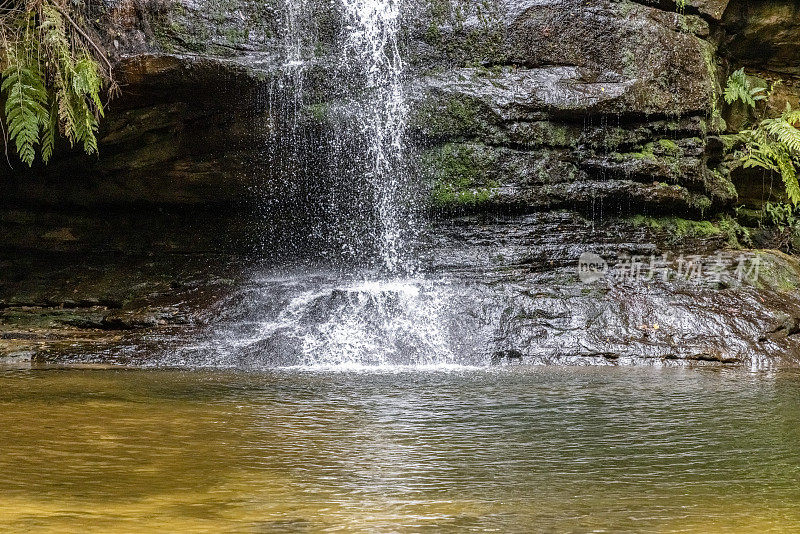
(353, 314)
(371, 52)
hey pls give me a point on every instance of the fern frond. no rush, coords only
(26, 98)
(784, 133)
(792, 116)
(84, 123)
(49, 131)
(758, 157)
(735, 87)
(51, 78)
(86, 82)
(66, 114)
(789, 176)
(756, 93)
(739, 88)
(53, 29)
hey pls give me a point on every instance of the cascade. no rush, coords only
(371, 52)
(378, 311)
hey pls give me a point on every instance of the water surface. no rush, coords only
(510, 449)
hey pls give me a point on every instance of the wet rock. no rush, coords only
(541, 128)
(618, 103)
(763, 35)
(541, 310)
(713, 9)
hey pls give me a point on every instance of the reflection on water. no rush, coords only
(549, 449)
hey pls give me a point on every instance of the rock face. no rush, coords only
(659, 302)
(763, 35)
(541, 129)
(578, 105)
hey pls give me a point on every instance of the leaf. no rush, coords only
(26, 99)
(49, 132)
(789, 175)
(784, 133)
(51, 82)
(739, 88)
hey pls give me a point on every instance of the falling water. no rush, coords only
(352, 314)
(371, 54)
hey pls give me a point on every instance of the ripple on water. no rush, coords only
(512, 449)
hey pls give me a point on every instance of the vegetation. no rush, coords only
(52, 76)
(740, 89)
(773, 144)
(785, 219)
(458, 173)
(677, 229)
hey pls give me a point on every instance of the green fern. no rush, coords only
(26, 101)
(739, 88)
(783, 128)
(775, 146)
(49, 131)
(86, 81)
(51, 81)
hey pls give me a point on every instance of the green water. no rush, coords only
(511, 450)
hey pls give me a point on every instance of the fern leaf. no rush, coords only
(789, 175)
(50, 81)
(784, 133)
(49, 131)
(791, 116)
(26, 97)
(756, 159)
(84, 125)
(66, 115)
(739, 88)
(86, 82)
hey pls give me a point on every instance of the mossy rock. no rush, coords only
(458, 174)
(676, 229)
(778, 271)
(450, 117)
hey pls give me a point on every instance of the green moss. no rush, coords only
(717, 123)
(612, 138)
(677, 226)
(695, 25)
(720, 186)
(462, 114)
(236, 36)
(708, 52)
(662, 152)
(453, 117)
(669, 146)
(450, 195)
(778, 271)
(318, 112)
(215, 26)
(433, 34)
(546, 133)
(469, 45)
(458, 174)
(678, 229)
(737, 235)
(626, 7)
(700, 202)
(645, 153)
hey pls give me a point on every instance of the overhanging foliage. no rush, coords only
(53, 73)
